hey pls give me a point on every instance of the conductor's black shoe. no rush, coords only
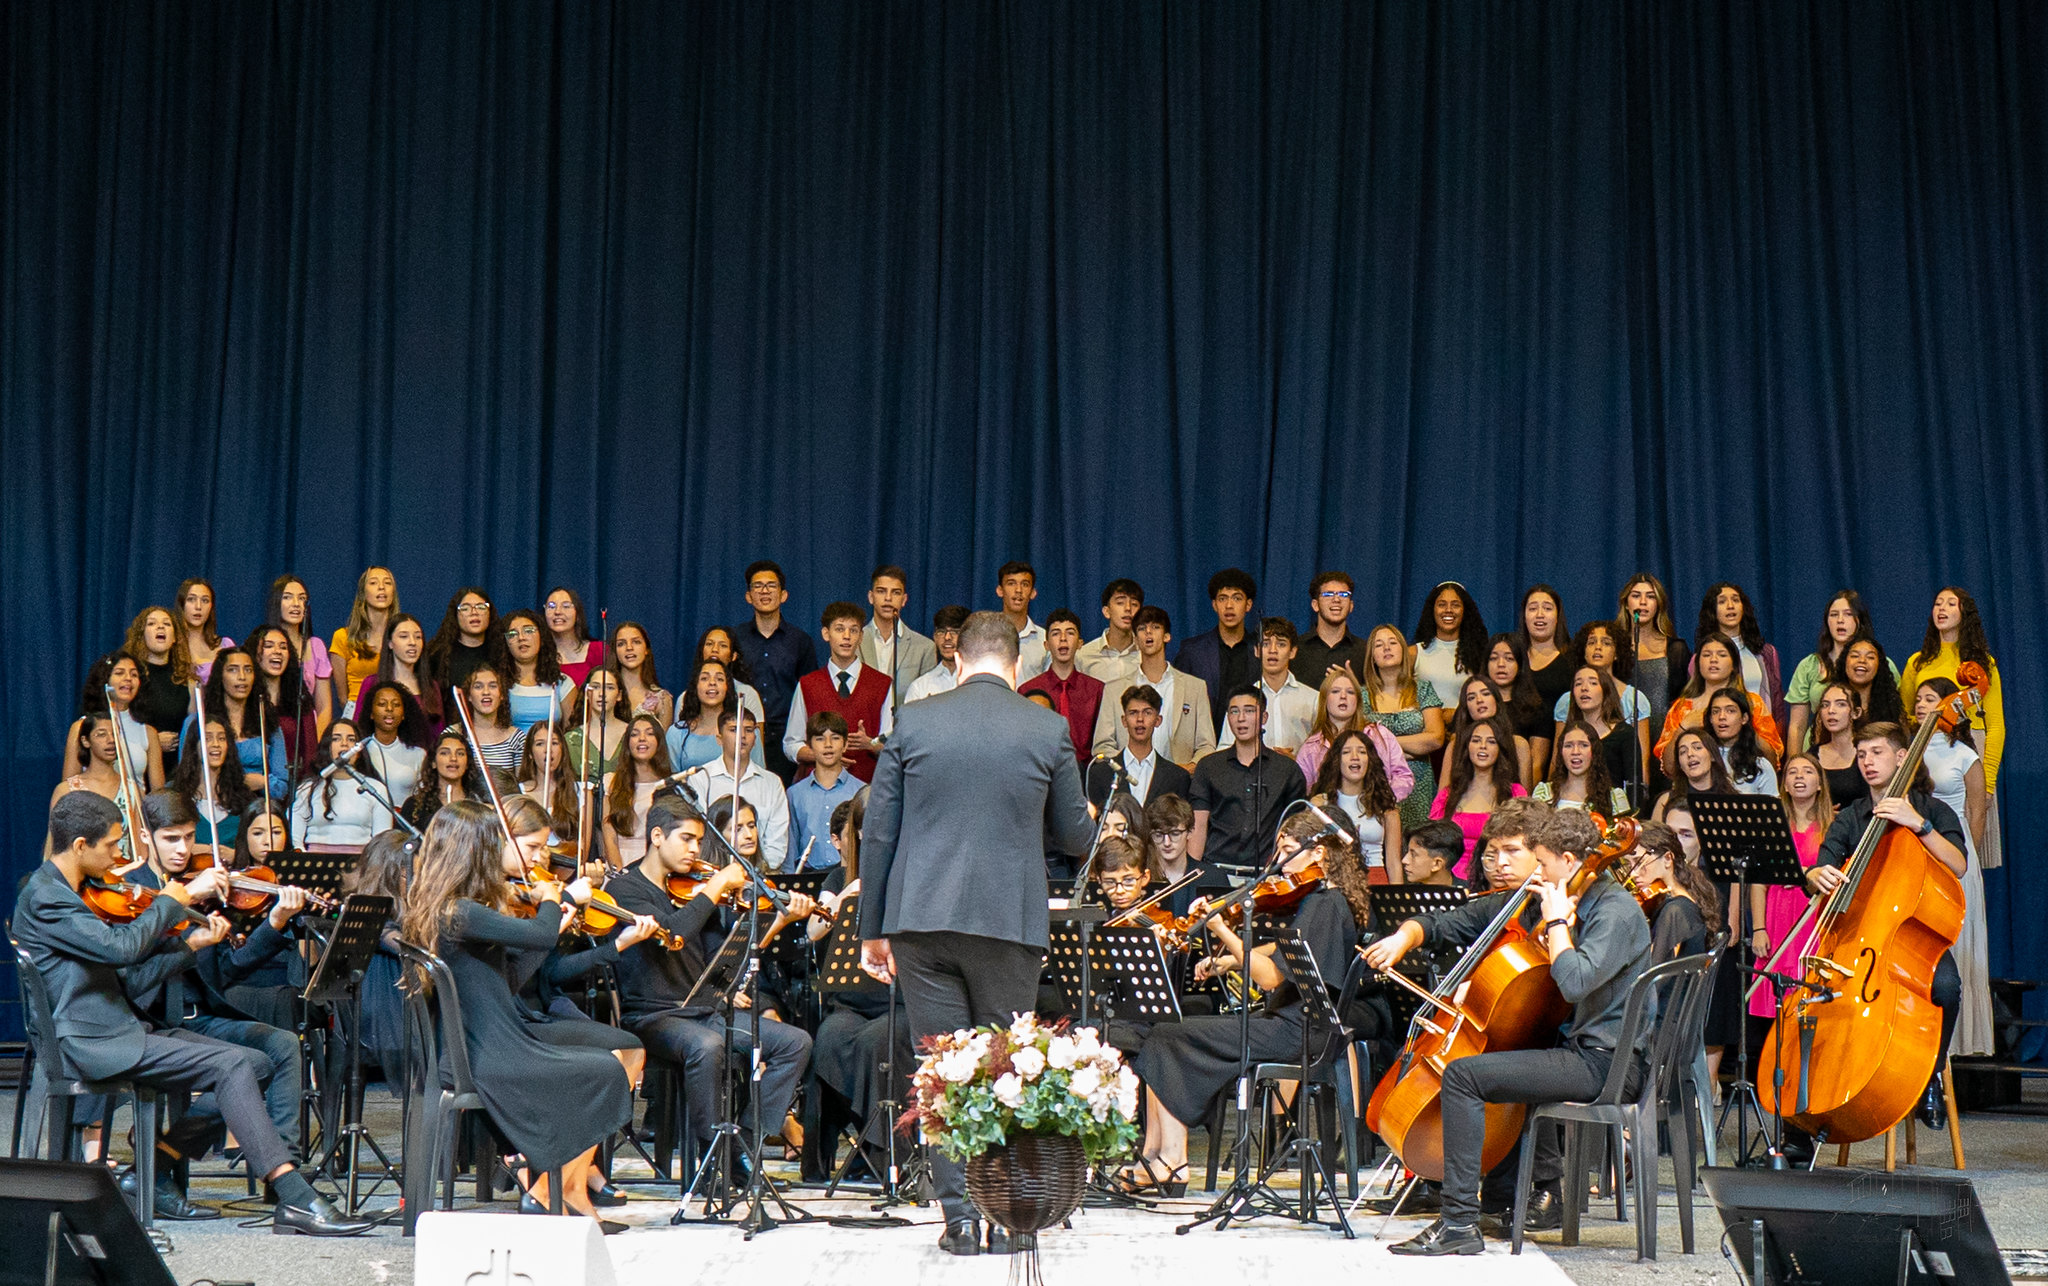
(1441, 1238)
(1546, 1214)
(1427, 1199)
(170, 1203)
(999, 1242)
(320, 1219)
(962, 1237)
(1933, 1111)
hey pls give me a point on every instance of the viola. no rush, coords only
(1508, 1002)
(603, 913)
(1857, 1041)
(118, 901)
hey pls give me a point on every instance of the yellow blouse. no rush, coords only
(359, 667)
(1990, 719)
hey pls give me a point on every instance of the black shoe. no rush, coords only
(170, 1204)
(999, 1240)
(1933, 1110)
(1426, 1199)
(607, 1196)
(320, 1219)
(1546, 1214)
(1441, 1239)
(962, 1237)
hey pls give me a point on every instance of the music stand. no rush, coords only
(1746, 840)
(1393, 903)
(1128, 969)
(840, 973)
(320, 873)
(723, 975)
(338, 977)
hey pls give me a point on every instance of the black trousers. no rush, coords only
(1569, 1074)
(699, 1046)
(956, 980)
(181, 1059)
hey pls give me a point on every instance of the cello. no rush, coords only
(1510, 1003)
(1858, 1038)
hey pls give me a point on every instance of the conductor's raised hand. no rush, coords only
(878, 959)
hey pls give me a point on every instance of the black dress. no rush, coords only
(551, 1102)
(1187, 1062)
(1622, 750)
(847, 1051)
(1845, 785)
(547, 1008)
(1552, 682)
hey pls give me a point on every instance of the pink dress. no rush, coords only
(579, 672)
(1470, 823)
(1400, 776)
(1782, 908)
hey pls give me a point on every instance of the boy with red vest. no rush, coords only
(856, 693)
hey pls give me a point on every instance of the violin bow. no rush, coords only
(206, 773)
(131, 786)
(1124, 916)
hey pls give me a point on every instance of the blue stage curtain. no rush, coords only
(623, 295)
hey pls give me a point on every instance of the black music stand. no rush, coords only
(840, 973)
(338, 978)
(1320, 1024)
(1393, 903)
(320, 873)
(1746, 840)
(1128, 969)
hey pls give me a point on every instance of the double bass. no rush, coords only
(1510, 1003)
(1854, 1044)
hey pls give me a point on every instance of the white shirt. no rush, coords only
(1168, 707)
(885, 648)
(713, 782)
(1289, 712)
(1032, 658)
(793, 735)
(358, 815)
(940, 678)
(1098, 660)
(1372, 834)
(1138, 773)
(1437, 661)
(1631, 700)
(398, 765)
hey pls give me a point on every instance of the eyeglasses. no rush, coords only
(759, 585)
(473, 607)
(1343, 594)
(1123, 884)
(1169, 835)
(556, 605)
(523, 632)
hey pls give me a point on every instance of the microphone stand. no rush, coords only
(1098, 1182)
(371, 787)
(1247, 1196)
(1628, 715)
(759, 1190)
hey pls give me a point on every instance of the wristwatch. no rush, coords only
(1925, 827)
(1544, 932)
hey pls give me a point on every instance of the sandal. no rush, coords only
(1175, 1184)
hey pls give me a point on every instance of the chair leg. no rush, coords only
(1955, 1125)
(1617, 1154)
(145, 1157)
(1643, 1157)
(1525, 1177)
(24, 1086)
(1574, 1187)
(1912, 1142)
(451, 1128)
(1891, 1150)
(558, 1201)
(1685, 1171)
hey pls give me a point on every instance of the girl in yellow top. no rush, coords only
(1955, 634)
(355, 646)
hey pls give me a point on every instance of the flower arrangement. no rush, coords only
(977, 1088)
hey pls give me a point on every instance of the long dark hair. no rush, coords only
(1971, 643)
(1656, 837)
(209, 629)
(92, 698)
(1624, 650)
(459, 859)
(243, 858)
(1885, 704)
(1751, 633)
(737, 668)
(1744, 757)
(1471, 627)
(1599, 784)
(1458, 772)
(273, 608)
(1718, 780)
(425, 799)
(1377, 796)
(1696, 686)
(547, 662)
(412, 725)
(384, 869)
(620, 813)
(229, 790)
(579, 622)
(293, 680)
(1944, 688)
(690, 707)
(441, 647)
(323, 755)
(215, 696)
(1560, 635)
(1524, 704)
(611, 658)
(1825, 663)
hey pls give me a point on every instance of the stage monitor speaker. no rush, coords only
(63, 1224)
(460, 1248)
(1854, 1227)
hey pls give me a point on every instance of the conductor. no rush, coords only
(972, 788)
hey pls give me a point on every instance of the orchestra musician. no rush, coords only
(89, 964)
(554, 1104)
(1598, 943)
(1183, 1065)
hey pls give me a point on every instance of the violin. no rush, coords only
(603, 913)
(1271, 896)
(119, 901)
(253, 889)
(1510, 1003)
(681, 886)
(1853, 1046)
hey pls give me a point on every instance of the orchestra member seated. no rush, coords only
(1598, 942)
(1185, 1064)
(88, 964)
(1431, 852)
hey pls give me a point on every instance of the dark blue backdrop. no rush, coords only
(626, 294)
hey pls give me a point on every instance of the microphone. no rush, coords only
(346, 755)
(1330, 826)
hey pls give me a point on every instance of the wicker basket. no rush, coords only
(1031, 1182)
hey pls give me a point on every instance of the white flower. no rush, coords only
(1086, 1082)
(958, 1065)
(1025, 1027)
(1099, 1109)
(1009, 1089)
(1062, 1052)
(1088, 1042)
(1028, 1061)
(980, 1043)
(1127, 1103)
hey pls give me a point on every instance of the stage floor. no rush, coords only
(2008, 1158)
